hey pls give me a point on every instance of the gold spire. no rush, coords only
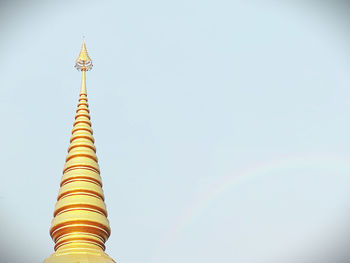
(80, 226)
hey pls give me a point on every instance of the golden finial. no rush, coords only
(83, 62)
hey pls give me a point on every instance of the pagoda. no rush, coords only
(80, 226)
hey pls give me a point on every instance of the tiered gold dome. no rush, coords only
(80, 226)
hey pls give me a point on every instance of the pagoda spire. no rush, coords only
(80, 226)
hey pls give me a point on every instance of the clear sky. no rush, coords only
(222, 127)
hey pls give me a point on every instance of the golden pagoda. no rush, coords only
(80, 226)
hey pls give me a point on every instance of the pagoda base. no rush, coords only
(79, 257)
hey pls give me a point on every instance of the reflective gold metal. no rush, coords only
(80, 226)
(83, 61)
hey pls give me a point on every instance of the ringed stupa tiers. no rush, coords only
(80, 226)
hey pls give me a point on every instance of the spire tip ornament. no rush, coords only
(83, 62)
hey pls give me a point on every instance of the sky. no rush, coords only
(222, 127)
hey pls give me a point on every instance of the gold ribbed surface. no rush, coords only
(80, 226)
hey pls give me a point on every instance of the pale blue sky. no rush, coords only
(222, 127)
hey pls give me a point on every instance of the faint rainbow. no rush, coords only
(325, 161)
